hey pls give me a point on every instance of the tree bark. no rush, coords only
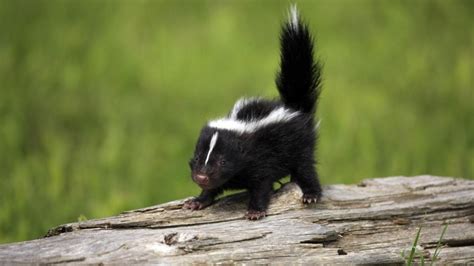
(368, 223)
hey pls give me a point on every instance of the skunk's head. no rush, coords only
(218, 156)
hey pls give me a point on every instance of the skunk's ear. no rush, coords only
(241, 147)
(244, 143)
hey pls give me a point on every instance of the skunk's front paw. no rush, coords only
(310, 198)
(255, 215)
(194, 204)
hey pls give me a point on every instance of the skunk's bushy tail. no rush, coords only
(299, 78)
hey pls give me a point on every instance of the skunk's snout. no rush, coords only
(201, 179)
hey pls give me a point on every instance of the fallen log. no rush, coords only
(368, 223)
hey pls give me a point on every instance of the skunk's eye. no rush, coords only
(222, 162)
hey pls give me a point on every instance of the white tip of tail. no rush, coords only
(293, 17)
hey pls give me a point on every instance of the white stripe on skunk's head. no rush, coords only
(293, 17)
(212, 144)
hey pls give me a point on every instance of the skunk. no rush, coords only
(261, 141)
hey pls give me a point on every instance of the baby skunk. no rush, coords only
(261, 141)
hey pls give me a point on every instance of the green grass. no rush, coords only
(101, 101)
(411, 257)
(410, 260)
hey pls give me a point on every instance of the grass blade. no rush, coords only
(438, 246)
(413, 248)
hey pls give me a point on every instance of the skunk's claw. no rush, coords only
(310, 198)
(194, 205)
(255, 215)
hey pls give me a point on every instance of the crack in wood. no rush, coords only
(459, 242)
(63, 261)
(330, 236)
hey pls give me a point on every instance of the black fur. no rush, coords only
(299, 79)
(255, 160)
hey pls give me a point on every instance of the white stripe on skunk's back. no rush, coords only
(241, 103)
(279, 115)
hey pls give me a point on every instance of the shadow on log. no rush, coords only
(369, 223)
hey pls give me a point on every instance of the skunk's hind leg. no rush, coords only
(305, 175)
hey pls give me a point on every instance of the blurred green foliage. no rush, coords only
(101, 101)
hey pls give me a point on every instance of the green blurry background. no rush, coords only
(101, 101)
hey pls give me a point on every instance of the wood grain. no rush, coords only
(368, 223)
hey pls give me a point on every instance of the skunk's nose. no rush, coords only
(202, 179)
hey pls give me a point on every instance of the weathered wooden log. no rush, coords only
(369, 223)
